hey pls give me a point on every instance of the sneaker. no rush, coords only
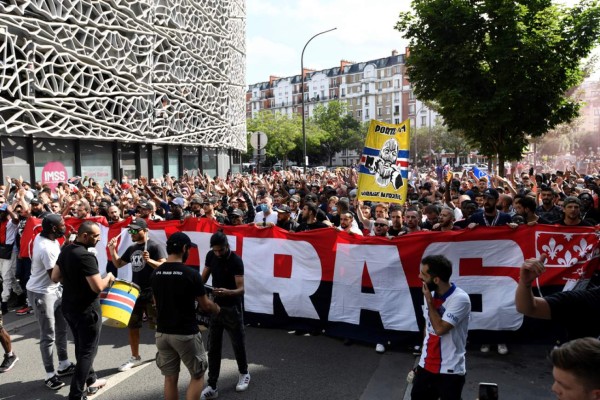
(8, 362)
(131, 363)
(67, 371)
(502, 349)
(210, 393)
(24, 311)
(243, 383)
(485, 348)
(380, 348)
(54, 383)
(94, 387)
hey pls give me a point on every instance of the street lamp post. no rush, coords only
(302, 93)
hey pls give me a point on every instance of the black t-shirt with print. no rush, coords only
(176, 287)
(142, 271)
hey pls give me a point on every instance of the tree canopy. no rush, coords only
(499, 70)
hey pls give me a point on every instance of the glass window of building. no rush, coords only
(14, 158)
(158, 161)
(128, 157)
(209, 161)
(52, 150)
(173, 167)
(190, 159)
(97, 161)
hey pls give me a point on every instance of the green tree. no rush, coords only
(340, 129)
(499, 70)
(282, 132)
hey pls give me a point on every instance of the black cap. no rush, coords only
(283, 209)
(145, 205)
(237, 213)
(50, 221)
(492, 193)
(138, 223)
(35, 200)
(180, 239)
(196, 200)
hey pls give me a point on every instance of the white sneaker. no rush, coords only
(131, 363)
(243, 383)
(485, 348)
(380, 348)
(502, 349)
(210, 393)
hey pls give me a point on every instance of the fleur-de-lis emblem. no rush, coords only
(583, 248)
(568, 236)
(552, 249)
(568, 260)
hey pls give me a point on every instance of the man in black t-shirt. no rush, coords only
(145, 255)
(176, 288)
(227, 270)
(577, 310)
(77, 269)
(309, 219)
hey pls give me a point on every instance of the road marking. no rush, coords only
(114, 380)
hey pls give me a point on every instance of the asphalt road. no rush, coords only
(282, 366)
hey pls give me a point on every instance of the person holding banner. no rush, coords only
(145, 255)
(441, 371)
(577, 310)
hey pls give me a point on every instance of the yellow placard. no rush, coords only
(383, 168)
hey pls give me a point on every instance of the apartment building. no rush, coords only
(375, 89)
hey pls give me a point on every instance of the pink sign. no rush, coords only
(54, 173)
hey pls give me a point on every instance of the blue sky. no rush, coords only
(278, 29)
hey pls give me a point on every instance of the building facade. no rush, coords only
(126, 87)
(376, 89)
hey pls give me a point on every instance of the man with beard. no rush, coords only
(588, 212)
(346, 224)
(490, 215)
(114, 215)
(145, 255)
(380, 227)
(209, 212)
(572, 213)
(525, 208)
(46, 298)
(548, 209)
(411, 221)
(467, 207)
(176, 289)
(236, 217)
(283, 219)
(446, 221)
(396, 228)
(227, 270)
(441, 371)
(309, 218)
(77, 270)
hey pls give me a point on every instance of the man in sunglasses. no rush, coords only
(145, 255)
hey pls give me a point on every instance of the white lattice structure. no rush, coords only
(159, 71)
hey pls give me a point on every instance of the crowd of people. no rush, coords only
(62, 296)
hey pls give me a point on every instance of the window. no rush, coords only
(396, 121)
(367, 113)
(423, 120)
(158, 160)
(343, 92)
(379, 111)
(209, 161)
(359, 113)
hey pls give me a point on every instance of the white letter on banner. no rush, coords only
(497, 292)
(392, 295)
(260, 284)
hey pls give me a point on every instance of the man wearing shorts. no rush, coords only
(145, 255)
(176, 289)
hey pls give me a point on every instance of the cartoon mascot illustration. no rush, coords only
(385, 168)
